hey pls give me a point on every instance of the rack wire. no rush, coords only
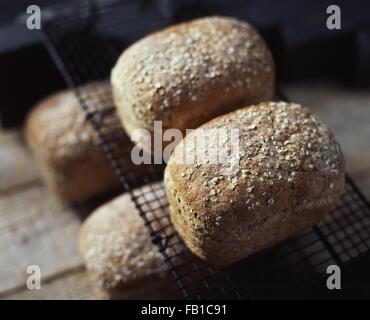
(84, 51)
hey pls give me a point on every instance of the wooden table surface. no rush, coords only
(35, 229)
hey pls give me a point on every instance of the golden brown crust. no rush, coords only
(189, 73)
(67, 149)
(291, 171)
(120, 257)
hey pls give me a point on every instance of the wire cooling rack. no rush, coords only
(83, 52)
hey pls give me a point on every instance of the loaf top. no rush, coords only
(197, 64)
(58, 128)
(117, 247)
(287, 159)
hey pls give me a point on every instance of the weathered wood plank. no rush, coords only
(69, 285)
(35, 229)
(16, 165)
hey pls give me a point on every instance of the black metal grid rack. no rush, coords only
(82, 50)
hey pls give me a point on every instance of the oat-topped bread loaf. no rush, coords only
(120, 258)
(189, 73)
(66, 148)
(289, 172)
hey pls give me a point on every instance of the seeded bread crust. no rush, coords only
(66, 148)
(120, 258)
(189, 73)
(291, 172)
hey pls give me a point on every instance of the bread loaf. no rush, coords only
(189, 73)
(290, 172)
(66, 148)
(120, 258)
